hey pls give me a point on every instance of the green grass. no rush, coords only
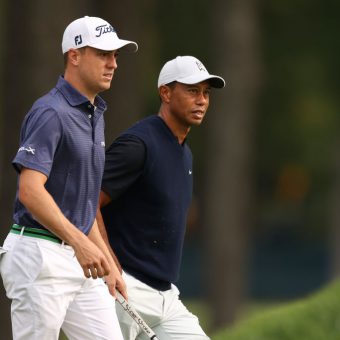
(201, 310)
(314, 318)
(62, 336)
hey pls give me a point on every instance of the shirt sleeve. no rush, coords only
(40, 136)
(124, 163)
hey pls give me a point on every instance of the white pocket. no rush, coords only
(2, 251)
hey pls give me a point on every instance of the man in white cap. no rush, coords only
(54, 255)
(146, 193)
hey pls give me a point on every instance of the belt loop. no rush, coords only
(62, 244)
(22, 231)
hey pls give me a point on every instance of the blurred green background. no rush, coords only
(264, 227)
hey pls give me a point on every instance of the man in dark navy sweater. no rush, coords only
(146, 193)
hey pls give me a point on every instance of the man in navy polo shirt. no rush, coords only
(146, 193)
(54, 252)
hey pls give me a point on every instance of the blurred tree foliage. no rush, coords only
(299, 117)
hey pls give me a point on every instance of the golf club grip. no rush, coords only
(136, 317)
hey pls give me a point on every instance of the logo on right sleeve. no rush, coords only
(29, 150)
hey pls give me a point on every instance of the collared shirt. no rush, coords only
(148, 175)
(62, 136)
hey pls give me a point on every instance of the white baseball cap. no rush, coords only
(94, 32)
(187, 70)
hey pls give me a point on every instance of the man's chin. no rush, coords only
(196, 122)
(105, 86)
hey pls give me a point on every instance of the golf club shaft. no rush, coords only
(136, 317)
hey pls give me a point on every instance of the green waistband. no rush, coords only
(35, 232)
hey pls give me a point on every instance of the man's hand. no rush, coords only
(115, 281)
(91, 259)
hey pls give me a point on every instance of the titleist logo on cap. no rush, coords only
(102, 29)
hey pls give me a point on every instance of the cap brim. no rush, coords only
(215, 81)
(124, 45)
(128, 46)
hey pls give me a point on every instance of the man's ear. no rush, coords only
(73, 56)
(165, 93)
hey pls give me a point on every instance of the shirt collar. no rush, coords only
(74, 97)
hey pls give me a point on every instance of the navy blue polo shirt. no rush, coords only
(62, 136)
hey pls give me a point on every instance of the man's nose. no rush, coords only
(112, 61)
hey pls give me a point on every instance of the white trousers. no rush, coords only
(162, 311)
(49, 291)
